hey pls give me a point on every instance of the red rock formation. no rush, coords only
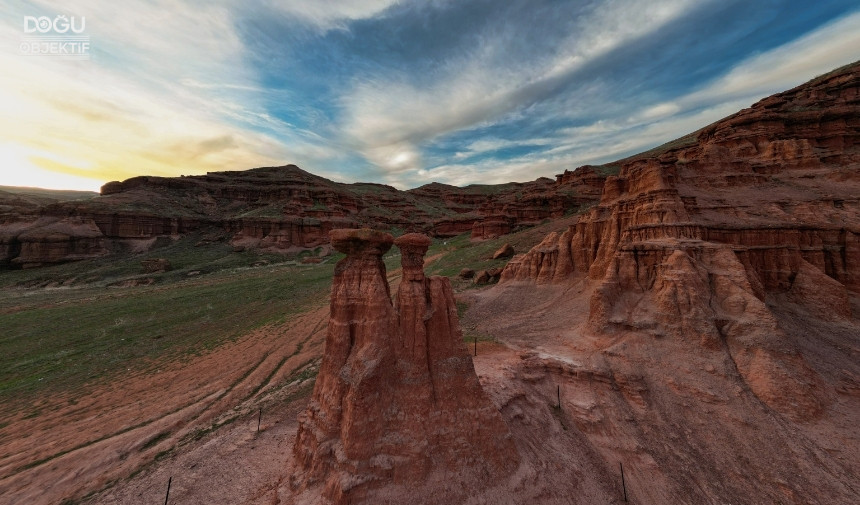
(690, 241)
(506, 251)
(284, 208)
(397, 401)
(50, 240)
(452, 226)
(492, 227)
(761, 180)
(585, 180)
(466, 273)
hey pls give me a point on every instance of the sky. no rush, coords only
(399, 92)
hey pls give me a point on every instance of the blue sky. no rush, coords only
(399, 92)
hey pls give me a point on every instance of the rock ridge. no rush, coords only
(273, 208)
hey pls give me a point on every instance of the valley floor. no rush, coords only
(684, 424)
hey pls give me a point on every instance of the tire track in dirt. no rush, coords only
(100, 461)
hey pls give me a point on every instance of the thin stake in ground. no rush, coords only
(259, 420)
(623, 485)
(167, 496)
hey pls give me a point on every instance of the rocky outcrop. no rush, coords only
(47, 240)
(506, 251)
(466, 273)
(397, 401)
(777, 182)
(691, 241)
(492, 227)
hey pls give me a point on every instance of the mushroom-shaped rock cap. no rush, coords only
(357, 241)
(413, 240)
(413, 247)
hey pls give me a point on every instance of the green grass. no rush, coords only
(188, 254)
(66, 341)
(608, 169)
(461, 252)
(154, 440)
(57, 341)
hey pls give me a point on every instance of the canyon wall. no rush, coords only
(777, 182)
(273, 208)
(697, 240)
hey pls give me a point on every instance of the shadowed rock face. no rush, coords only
(397, 401)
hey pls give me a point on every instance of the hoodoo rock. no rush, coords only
(397, 407)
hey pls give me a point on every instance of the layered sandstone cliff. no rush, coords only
(696, 240)
(397, 404)
(777, 182)
(274, 208)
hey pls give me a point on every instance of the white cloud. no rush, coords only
(787, 66)
(605, 140)
(392, 114)
(330, 14)
(167, 91)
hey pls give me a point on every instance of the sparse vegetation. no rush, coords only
(58, 340)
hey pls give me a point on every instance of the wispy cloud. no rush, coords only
(331, 14)
(830, 46)
(387, 119)
(167, 91)
(641, 128)
(397, 91)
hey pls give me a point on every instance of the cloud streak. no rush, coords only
(386, 119)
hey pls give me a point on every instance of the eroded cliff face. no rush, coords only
(695, 241)
(777, 182)
(276, 209)
(396, 401)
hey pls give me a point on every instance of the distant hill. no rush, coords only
(52, 194)
(277, 209)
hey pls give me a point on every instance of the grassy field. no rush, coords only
(461, 252)
(68, 327)
(57, 340)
